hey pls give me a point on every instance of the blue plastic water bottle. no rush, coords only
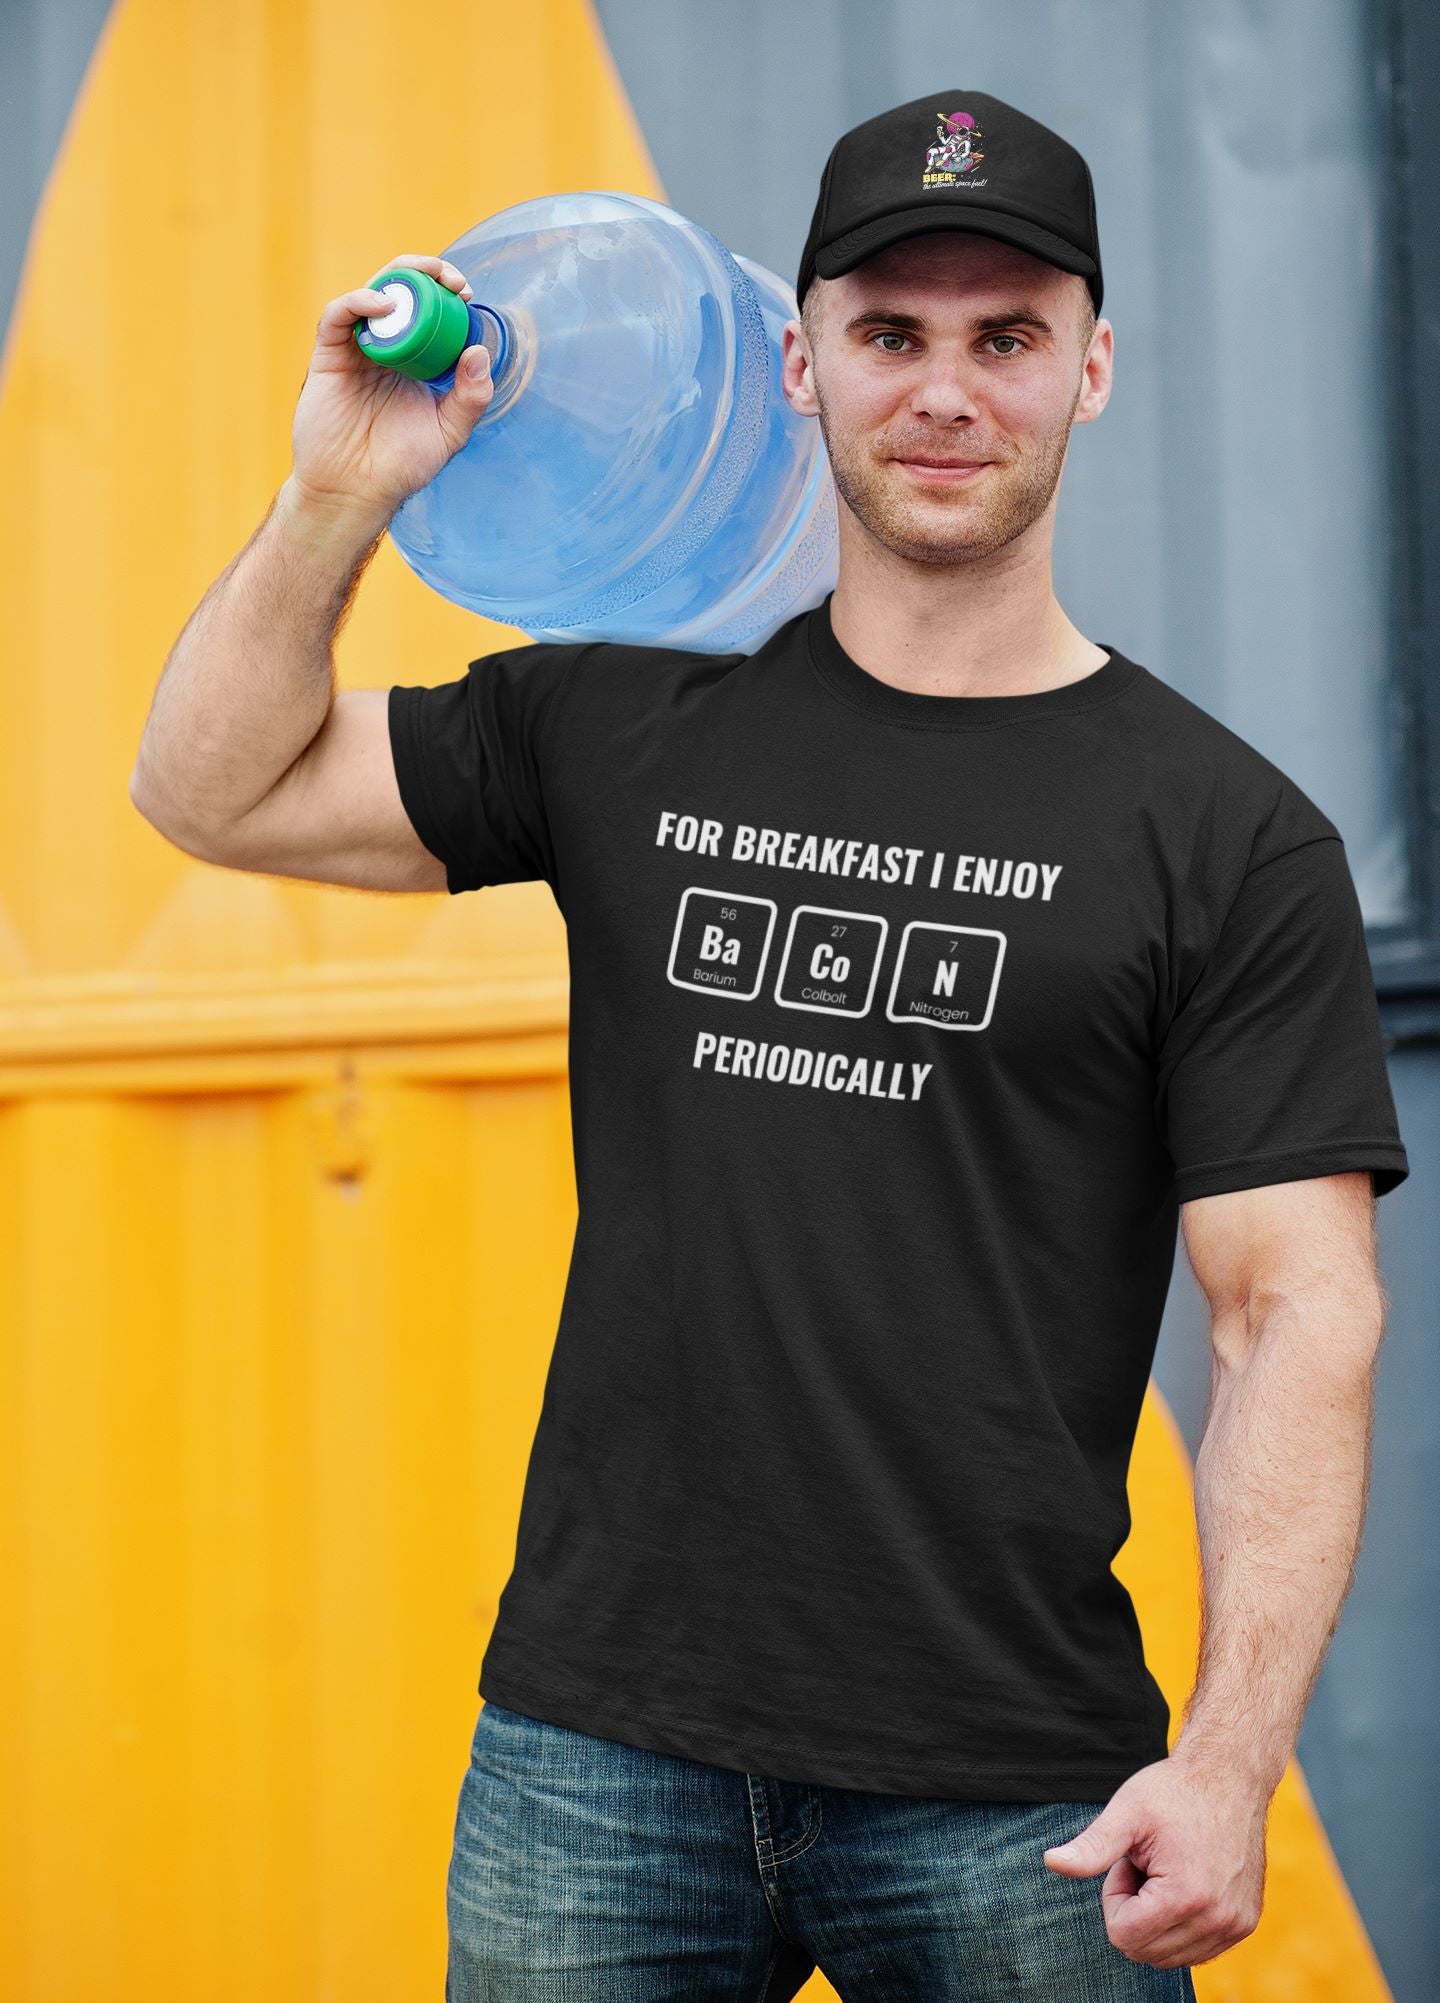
(638, 475)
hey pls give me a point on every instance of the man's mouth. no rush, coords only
(924, 467)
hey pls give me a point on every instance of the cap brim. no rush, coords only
(856, 245)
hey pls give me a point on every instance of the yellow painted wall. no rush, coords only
(286, 1193)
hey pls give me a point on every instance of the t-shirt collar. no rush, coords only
(856, 686)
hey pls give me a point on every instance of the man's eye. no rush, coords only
(1017, 345)
(892, 337)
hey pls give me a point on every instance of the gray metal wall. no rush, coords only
(1227, 522)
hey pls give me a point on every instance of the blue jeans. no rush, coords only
(587, 1871)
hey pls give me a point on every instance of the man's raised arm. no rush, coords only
(249, 756)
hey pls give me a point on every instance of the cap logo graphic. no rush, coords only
(955, 153)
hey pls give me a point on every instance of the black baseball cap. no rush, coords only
(957, 159)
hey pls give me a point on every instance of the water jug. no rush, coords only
(638, 474)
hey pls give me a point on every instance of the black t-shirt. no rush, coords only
(900, 1026)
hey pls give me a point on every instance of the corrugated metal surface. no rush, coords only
(282, 1342)
(286, 1192)
(285, 1182)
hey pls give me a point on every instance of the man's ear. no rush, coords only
(797, 373)
(1097, 375)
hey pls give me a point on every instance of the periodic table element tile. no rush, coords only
(946, 976)
(831, 960)
(720, 943)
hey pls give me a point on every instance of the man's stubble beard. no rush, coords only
(984, 519)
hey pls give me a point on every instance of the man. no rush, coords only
(927, 966)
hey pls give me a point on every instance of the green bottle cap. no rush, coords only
(426, 330)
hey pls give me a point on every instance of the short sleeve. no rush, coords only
(469, 764)
(1272, 1068)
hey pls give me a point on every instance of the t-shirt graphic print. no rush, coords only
(900, 1027)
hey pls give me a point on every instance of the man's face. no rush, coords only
(951, 347)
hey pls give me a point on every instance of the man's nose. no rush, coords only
(943, 393)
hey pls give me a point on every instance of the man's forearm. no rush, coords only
(250, 680)
(1280, 1487)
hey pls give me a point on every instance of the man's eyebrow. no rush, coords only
(881, 316)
